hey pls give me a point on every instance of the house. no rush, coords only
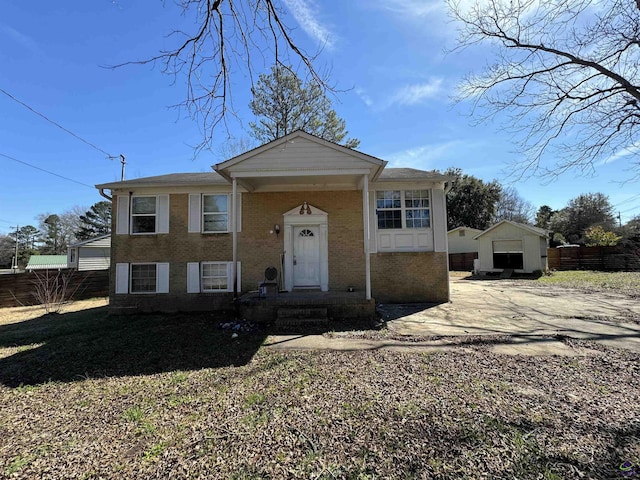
(511, 245)
(327, 218)
(47, 262)
(92, 254)
(463, 248)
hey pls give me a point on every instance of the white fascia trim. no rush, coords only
(298, 173)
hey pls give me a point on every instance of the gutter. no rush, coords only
(101, 191)
(448, 186)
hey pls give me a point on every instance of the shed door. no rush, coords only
(508, 254)
(306, 257)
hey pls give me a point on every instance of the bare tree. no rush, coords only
(566, 72)
(511, 206)
(229, 38)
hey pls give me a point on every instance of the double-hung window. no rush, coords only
(214, 276)
(144, 214)
(215, 213)
(389, 208)
(416, 204)
(143, 278)
(397, 209)
(211, 277)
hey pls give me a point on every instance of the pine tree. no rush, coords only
(283, 104)
(96, 221)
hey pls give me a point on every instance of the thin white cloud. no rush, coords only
(418, 93)
(362, 95)
(413, 8)
(20, 38)
(422, 157)
(633, 149)
(306, 14)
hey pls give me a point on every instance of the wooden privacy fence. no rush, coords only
(462, 262)
(18, 289)
(593, 258)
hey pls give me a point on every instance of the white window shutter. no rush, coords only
(194, 212)
(162, 278)
(122, 220)
(193, 277)
(163, 214)
(122, 278)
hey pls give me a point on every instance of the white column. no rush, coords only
(365, 222)
(234, 233)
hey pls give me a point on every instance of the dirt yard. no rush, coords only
(88, 395)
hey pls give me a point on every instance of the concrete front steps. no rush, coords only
(294, 316)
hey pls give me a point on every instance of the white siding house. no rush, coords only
(511, 245)
(462, 240)
(93, 254)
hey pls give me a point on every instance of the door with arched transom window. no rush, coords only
(306, 256)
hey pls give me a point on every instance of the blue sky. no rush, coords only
(388, 56)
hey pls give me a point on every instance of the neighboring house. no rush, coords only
(328, 218)
(47, 262)
(511, 245)
(93, 254)
(463, 248)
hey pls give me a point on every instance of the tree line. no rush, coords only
(55, 232)
(587, 219)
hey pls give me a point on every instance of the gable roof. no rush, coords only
(538, 231)
(297, 158)
(301, 160)
(291, 138)
(464, 228)
(89, 242)
(46, 262)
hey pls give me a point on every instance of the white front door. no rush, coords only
(306, 256)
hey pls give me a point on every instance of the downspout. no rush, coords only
(448, 186)
(234, 234)
(101, 191)
(365, 222)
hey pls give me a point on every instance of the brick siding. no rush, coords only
(406, 277)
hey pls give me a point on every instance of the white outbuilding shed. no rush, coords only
(462, 240)
(510, 245)
(93, 254)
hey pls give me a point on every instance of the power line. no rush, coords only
(56, 124)
(630, 199)
(47, 171)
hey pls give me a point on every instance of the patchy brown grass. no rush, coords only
(626, 283)
(85, 395)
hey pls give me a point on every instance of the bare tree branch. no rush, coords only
(231, 38)
(565, 73)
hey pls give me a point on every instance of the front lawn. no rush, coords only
(627, 283)
(84, 395)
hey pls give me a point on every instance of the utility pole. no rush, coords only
(14, 264)
(123, 161)
(619, 220)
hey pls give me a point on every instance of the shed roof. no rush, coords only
(538, 231)
(464, 228)
(46, 262)
(94, 242)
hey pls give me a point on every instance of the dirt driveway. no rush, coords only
(529, 311)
